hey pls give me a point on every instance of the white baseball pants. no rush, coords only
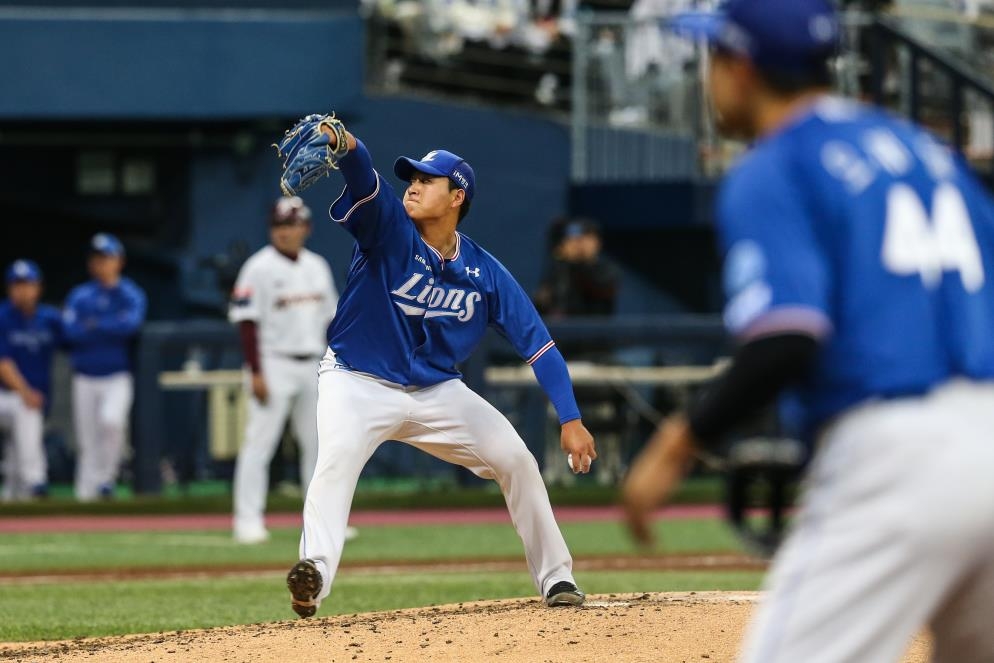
(25, 465)
(292, 392)
(896, 532)
(358, 412)
(100, 412)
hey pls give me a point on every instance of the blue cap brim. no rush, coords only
(705, 26)
(405, 167)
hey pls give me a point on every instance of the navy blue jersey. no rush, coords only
(409, 316)
(30, 343)
(866, 232)
(100, 324)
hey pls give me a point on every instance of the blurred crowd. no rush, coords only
(637, 74)
(521, 50)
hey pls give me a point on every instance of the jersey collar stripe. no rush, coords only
(458, 247)
(437, 253)
(545, 348)
(355, 206)
(788, 320)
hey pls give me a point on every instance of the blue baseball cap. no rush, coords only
(779, 35)
(23, 270)
(106, 244)
(442, 164)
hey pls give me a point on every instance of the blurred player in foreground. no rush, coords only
(102, 317)
(30, 333)
(282, 302)
(858, 257)
(418, 300)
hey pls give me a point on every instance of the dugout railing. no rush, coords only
(173, 425)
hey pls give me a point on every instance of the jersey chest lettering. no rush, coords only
(293, 288)
(431, 301)
(31, 340)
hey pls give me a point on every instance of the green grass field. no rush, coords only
(58, 609)
(96, 550)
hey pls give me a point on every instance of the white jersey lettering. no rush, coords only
(436, 301)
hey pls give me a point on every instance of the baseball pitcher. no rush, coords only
(101, 319)
(418, 299)
(282, 303)
(30, 333)
(859, 269)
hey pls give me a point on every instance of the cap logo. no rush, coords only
(21, 268)
(461, 179)
(823, 28)
(430, 156)
(734, 38)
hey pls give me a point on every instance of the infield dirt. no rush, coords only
(698, 627)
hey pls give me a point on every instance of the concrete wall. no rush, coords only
(175, 63)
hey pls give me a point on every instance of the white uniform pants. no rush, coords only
(100, 412)
(25, 465)
(292, 387)
(358, 412)
(896, 532)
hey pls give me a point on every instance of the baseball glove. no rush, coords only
(307, 152)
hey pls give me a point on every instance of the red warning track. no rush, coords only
(217, 521)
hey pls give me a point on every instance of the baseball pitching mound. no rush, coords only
(699, 627)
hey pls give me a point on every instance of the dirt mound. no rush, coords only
(703, 627)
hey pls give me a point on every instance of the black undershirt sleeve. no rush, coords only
(760, 370)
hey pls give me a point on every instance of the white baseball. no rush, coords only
(569, 461)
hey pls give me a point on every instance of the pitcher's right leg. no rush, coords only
(355, 414)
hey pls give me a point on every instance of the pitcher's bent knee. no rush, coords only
(517, 462)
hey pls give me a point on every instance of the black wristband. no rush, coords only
(759, 371)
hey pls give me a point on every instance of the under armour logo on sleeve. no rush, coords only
(473, 272)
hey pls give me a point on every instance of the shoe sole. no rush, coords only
(575, 599)
(304, 583)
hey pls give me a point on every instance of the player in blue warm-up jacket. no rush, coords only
(102, 318)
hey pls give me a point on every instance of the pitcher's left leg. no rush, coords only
(459, 426)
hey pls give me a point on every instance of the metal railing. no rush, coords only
(934, 88)
(178, 362)
(634, 91)
(637, 104)
(639, 111)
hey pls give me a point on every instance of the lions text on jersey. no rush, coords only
(407, 314)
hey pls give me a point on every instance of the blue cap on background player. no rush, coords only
(23, 270)
(106, 244)
(782, 35)
(442, 164)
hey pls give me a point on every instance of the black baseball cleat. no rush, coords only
(304, 583)
(564, 593)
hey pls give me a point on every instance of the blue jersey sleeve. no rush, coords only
(776, 277)
(514, 316)
(128, 319)
(78, 322)
(5, 349)
(53, 320)
(368, 207)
